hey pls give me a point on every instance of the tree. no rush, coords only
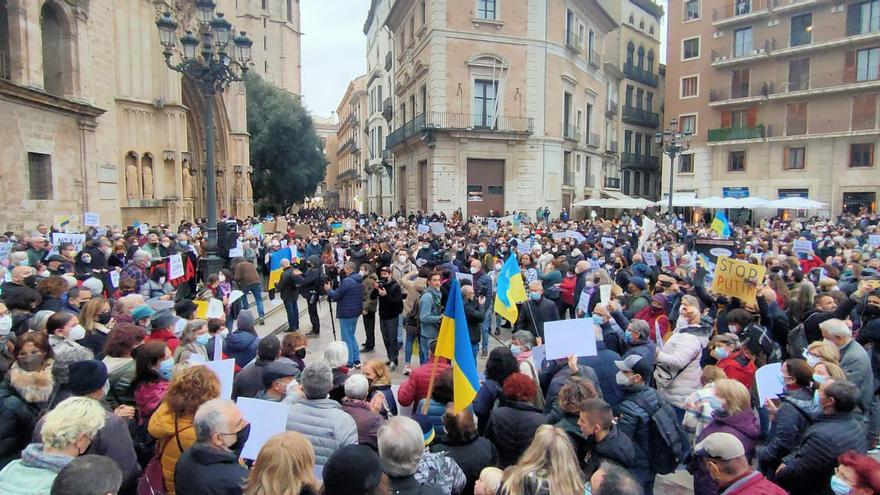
(285, 151)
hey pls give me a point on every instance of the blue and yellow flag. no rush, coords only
(721, 225)
(454, 344)
(275, 265)
(509, 290)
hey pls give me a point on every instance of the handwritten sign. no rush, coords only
(732, 279)
(803, 247)
(649, 258)
(91, 219)
(78, 240)
(423, 229)
(437, 228)
(175, 266)
(114, 279)
(608, 242)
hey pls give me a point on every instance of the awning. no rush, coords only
(797, 203)
(714, 202)
(616, 201)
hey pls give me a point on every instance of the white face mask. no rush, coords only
(162, 280)
(106, 388)
(474, 269)
(221, 278)
(402, 258)
(5, 324)
(76, 333)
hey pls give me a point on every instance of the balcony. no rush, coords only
(612, 182)
(571, 132)
(740, 12)
(343, 148)
(595, 59)
(633, 161)
(736, 133)
(593, 140)
(641, 75)
(572, 42)
(611, 110)
(351, 174)
(637, 116)
(388, 109)
(827, 83)
(443, 121)
(568, 178)
(612, 147)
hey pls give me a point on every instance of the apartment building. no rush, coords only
(380, 62)
(498, 104)
(350, 138)
(632, 65)
(326, 194)
(780, 97)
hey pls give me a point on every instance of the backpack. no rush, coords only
(797, 341)
(665, 436)
(411, 320)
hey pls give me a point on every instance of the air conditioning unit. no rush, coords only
(757, 51)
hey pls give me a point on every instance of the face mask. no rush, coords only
(5, 324)
(154, 244)
(818, 378)
(166, 244)
(86, 259)
(240, 439)
(621, 379)
(597, 320)
(314, 243)
(655, 310)
(811, 359)
(498, 268)
(840, 487)
(681, 322)
(628, 337)
(183, 242)
(31, 362)
(481, 249)
(76, 333)
(221, 278)
(474, 270)
(300, 353)
(104, 318)
(23, 262)
(535, 296)
(165, 368)
(721, 352)
(203, 339)
(162, 280)
(515, 349)
(402, 259)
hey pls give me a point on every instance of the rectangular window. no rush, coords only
(688, 124)
(289, 10)
(40, 175)
(639, 94)
(486, 9)
(649, 101)
(422, 15)
(588, 125)
(686, 164)
(863, 17)
(691, 10)
(794, 158)
(690, 48)
(864, 112)
(743, 7)
(736, 161)
(739, 119)
(742, 42)
(861, 155)
(868, 64)
(484, 102)
(627, 141)
(423, 94)
(801, 30)
(648, 140)
(638, 142)
(796, 118)
(628, 98)
(739, 83)
(798, 74)
(689, 86)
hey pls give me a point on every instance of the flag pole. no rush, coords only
(430, 385)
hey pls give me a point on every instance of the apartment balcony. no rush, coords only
(637, 116)
(593, 139)
(387, 156)
(611, 111)
(388, 109)
(595, 59)
(641, 75)
(737, 133)
(572, 42)
(818, 85)
(343, 148)
(742, 12)
(612, 182)
(633, 161)
(571, 132)
(515, 127)
(611, 148)
(348, 175)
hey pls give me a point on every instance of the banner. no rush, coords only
(708, 251)
(91, 219)
(802, 247)
(737, 279)
(78, 240)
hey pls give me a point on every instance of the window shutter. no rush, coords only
(752, 117)
(849, 67)
(870, 155)
(726, 120)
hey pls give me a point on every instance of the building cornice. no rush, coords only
(40, 99)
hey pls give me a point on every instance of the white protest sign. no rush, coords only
(423, 229)
(576, 235)
(224, 369)
(465, 276)
(493, 225)
(237, 251)
(566, 337)
(608, 242)
(658, 335)
(538, 355)
(649, 258)
(768, 381)
(874, 240)
(91, 219)
(267, 419)
(143, 229)
(235, 296)
(255, 231)
(218, 348)
(437, 228)
(605, 293)
(559, 236)
(5, 248)
(523, 248)
(78, 240)
(803, 247)
(283, 243)
(664, 257)
(194, 231)
(175, 266)
(392, 224)
(114, 279)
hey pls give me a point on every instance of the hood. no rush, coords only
(34, 456)
(239, 340)
(806, 406)
(701, 329)
(745, 422)
(34, 386)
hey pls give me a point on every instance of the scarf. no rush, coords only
(34, 386)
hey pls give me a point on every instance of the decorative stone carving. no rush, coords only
(132, 178)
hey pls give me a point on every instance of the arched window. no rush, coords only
(630, 51)
(632, 20)
(50, 28)
(641, 25)
(650, 67)
(641, 57)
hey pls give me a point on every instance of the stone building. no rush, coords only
(326, 194)
(350, 138)
(380, 62)
(274, 26)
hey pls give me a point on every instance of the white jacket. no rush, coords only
(680, 356)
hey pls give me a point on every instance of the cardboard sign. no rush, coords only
(423, 229)
(608, 242)
(493, 225)
(437, 228)
(175, 266)
(303, 230)
(78, 240)
(268, 227)
(565, 337)
(731, 277)
(802, 247)
(267, 419)
(281, 225)
(664, 258)
(91, 219)
(237, 251)
(649, 258)
(114, 279)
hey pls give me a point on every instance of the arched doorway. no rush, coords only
(195, 136)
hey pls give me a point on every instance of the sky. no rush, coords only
(334, 49)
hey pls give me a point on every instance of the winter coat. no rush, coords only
(615, 447)
(391, 304)
(739, 367)
(154, 290)
(245, 274)
(390, 400)
(582, 445)
(349, 297)
(367, 422)
(490, 391)
(249, 380)
(435, 413)
(680, 356)
(325, 424)
(475, 313)
(23, 399)
(790, 423)
(242, 346)
(430, 313)
(744, 426)
(95, 340)
(655, 321)
(121, 373)
(603, 365)
(471, 456)
(754, 484)
(408, 485)
(163, 335)
(635, 423)
(809, 469)
(371, 304)
(171, 434)
(415, 387)
(647, 350)
(856, 363)
(533, 317)
(287, 286)
(511, 429)
(148, 396)
(34, 473)
(206, 470)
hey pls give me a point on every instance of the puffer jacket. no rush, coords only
(34, 473)
(415, 387)
(808, 470)
(744, 426)
(242, 345)
(472, 456)
(634, 422)
(325, 424)
(23, 398)
(680, 356)
(792, 419)
(349, 297)
(171, 434)
(121, 374)
(511, 429)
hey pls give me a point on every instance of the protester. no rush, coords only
(249, 381)
(193, 343)
(401, 446)
(546, 466)
(724, 459)
(500, 364)
(88, 475)
(513, 425)
(153, 368)
(415, 388)
(390, 297)
(461, 443)
(379, 375)
(293, 349)
(792, 416)
(94, 318)
(597, 424)
(242, 344)
(678, 361)
(356, 470)
(365, 414)
(285, 464)
(856, 474)
(350, 305)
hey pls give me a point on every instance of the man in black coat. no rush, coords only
(311, 284)
(597, 423)
(835, 431)
(475, 313)
(287, 288)
(537, 311)
(210, 466)
(390, 306)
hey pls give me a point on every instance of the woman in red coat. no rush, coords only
(655, 315)
(727, 349)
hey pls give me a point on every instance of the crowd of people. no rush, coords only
(103, 390)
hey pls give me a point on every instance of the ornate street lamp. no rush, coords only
(211, 70)
(673, 144)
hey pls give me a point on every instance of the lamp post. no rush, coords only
(222, 60)
(673, 143)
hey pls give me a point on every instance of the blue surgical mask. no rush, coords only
(534, 296)
(628, 337)
(598, 320)
(816, 397)
(721, 352)
(515, 349)
(165, 368)
(818, 378)
(840, 487)
(203, 339)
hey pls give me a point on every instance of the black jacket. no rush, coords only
(812, 321)
(475, 314)
(809, 469)
(21, 292)
(206, 470)
(471, 456)
(287, 286)
(634, 422)
(18, 418)
(408, 485)
(511, 429)
(534, 314)
(790, 423)
(391, 304)
(615, 447)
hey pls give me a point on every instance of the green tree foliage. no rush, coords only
(285, 151)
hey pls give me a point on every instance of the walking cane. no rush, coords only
(332, 321)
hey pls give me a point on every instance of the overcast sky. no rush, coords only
(334, 49)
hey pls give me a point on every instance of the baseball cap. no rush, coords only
(720, 445)
(636, 364)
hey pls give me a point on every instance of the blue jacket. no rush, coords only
(349, 297)
(242, 345)
(312, 250)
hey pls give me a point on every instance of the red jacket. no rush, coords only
(166, 336)
(739, 367)
(415, 388)
(566, 289)
(809, 264)
(754, 483)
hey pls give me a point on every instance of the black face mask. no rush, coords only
(240, 439)
(31, 281)
(300, 353)
(104, 318)
(871, 312)
(31, 362)
(775, 269)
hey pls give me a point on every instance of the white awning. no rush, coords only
(616, 201)
(796, 203)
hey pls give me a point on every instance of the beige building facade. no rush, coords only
(498, 105)
(350, 139)
(781, 99)
(380, 66)
(327, 194)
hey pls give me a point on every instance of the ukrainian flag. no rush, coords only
(336, 228)
(720, 224)
(454, 343)
(509, 290)
(275, 265)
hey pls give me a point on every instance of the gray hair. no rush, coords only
(835, 328)
(189, 330)
(525, 337)
(401, 446)
(72, 418)
(94, 285)
(351, 266)
(336, 354)
(317, 380)
(16, 257)
(641, 327)
(211, 418)
(140, 255)
(357, 387)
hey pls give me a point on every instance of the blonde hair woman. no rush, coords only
(549, 464)
(825, 370)
(820, 351)
(285, 466)
(489, 481)
(379, 375)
